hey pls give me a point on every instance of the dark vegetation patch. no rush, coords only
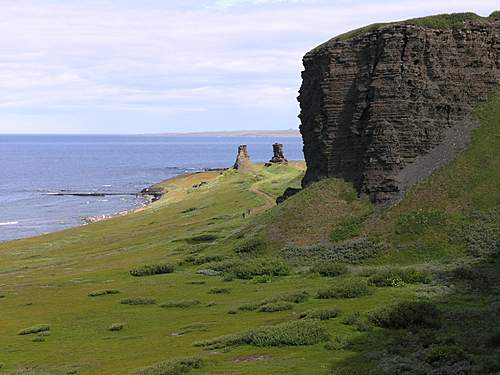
(352, 251)
(188, 210)
(345, 289)
(480, 233)
(253, 245)
(219, 291)
(418, 222)
(276, 306)
(202, 238)
(103, 292)
(183, 304)
(295, 297)
(171, 367)
(398, 277)
(203, 259)
(408, 314)
(152, 269)
(328, 269)
(248, 268)
(347, 228)
(116, 327)
(138, 301)
(292, 333)
(34, 329)
(321, 314)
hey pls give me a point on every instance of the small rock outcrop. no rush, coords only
(242, 159)
(278, 155)
(385, 106)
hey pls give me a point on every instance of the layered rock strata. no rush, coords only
(242, 159)
(278, 155)
(385, 108)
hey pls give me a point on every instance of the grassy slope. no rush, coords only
(46, 280)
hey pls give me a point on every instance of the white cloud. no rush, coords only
(163, 57)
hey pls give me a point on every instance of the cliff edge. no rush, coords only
(384, 106)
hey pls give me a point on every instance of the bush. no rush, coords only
(418, 222)
(182, 303)
(116, 327)
(204, 259)
(138, 301)
(480, 234)
(346, 289)
(219, 291)
(171, 367)
(296, 332)
(351, 251)
(251, 246)
(103, 292)
(152, 269)
(398, 277)
(407, 314)
(248, 268)
(330, 269)
(347, 228)
(295, 297)
(276, 306)
(34, 329)
(249, 307)
(201, 238)
(321, 314)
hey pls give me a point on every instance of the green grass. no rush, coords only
(444, 231)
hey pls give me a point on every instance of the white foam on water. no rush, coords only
(9, 223)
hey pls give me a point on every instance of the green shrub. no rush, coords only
(495, 15)
(203, 259)
(201, 238)
(138, 301)
(276, 306)
(171, 367)
(480, 234)
(347, 228)
(345, 289)
(321, 314)
(181, 304)
(352, 319)
(296, 332)
(116, 327)
(103, 292)
(248, 268)
(351, 251)
(152, 269)
(418, 222)
(249, 307)
(295, 297)
(330, 269)
(34, 329)
(337, 344)
(407, 314)
(38, 339)
(251, 246)
(219, 291)
(394, 277)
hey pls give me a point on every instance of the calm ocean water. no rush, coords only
(32, 166)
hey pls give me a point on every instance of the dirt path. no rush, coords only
(269, 201)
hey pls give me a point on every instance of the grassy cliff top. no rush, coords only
(439, 21)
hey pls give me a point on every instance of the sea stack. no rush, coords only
(278, 155)
(242, 159)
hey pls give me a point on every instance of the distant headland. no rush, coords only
(238, 133)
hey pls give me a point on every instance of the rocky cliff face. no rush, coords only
(384, 108)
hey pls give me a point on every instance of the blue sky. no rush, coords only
(149, 66)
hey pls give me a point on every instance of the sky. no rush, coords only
(152, 66)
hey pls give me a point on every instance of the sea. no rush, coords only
(33, 168)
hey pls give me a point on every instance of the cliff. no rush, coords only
(384, 106)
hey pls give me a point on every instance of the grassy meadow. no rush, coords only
(215, 279)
